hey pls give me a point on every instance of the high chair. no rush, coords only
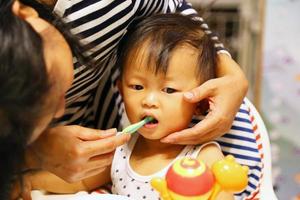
(248, 142)
(266, 191)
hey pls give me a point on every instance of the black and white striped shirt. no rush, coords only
(93, 101)
(101, 23)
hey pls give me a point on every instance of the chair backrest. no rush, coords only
(265, 189)
(248, 142)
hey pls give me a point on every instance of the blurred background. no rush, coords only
(263, 36)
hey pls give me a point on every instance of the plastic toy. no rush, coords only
(191, 179)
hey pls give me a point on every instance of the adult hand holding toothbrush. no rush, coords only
(74, 152)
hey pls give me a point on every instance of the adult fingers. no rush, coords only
(205, 90)
(100, 161)
(85, 174)
(94, 166)
(21, 189)
(186, 136)
(192, 140)
(26, 194)
(93, 134)
(209, 127)
(26, 190)
(105, 145)
(15, 192)
(94, 172)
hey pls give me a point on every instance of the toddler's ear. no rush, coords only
(119, 85)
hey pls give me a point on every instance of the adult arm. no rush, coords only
(46, 181)
(225, 94)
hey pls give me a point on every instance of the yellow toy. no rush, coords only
(191, 179)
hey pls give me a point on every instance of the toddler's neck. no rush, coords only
(146, 147)
(151, 156)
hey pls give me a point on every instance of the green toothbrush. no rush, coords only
(134, 127)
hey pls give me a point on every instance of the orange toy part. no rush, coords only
(191, 173)
(231, 176)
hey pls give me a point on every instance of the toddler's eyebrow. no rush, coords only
(169, 78)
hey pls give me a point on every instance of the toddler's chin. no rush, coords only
(151, 136)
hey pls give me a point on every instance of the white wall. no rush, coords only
(281, 92)
(281, 87)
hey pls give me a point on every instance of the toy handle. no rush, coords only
(160, 185)
(216, 191)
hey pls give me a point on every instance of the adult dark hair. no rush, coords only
(78, 50)
(163, 33)
(24, 84)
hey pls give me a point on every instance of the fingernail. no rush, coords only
(189, 95)
(114, 130)
(111, 131)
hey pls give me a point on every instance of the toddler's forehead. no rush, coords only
(151, 56)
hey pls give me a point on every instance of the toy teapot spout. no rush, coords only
(216, 190)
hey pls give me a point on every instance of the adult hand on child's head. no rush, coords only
(74, 152)
(225, 95)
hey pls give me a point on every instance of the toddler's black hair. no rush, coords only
(163, 33)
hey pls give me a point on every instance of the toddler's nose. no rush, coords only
(151, 100)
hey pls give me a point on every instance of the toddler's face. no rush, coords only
(158, 95)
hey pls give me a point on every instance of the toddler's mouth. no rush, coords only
(153, 121)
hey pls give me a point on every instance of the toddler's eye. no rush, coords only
(169, 90)
(137, 87)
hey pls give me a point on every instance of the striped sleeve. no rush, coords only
(186, 8)
(243, 142)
